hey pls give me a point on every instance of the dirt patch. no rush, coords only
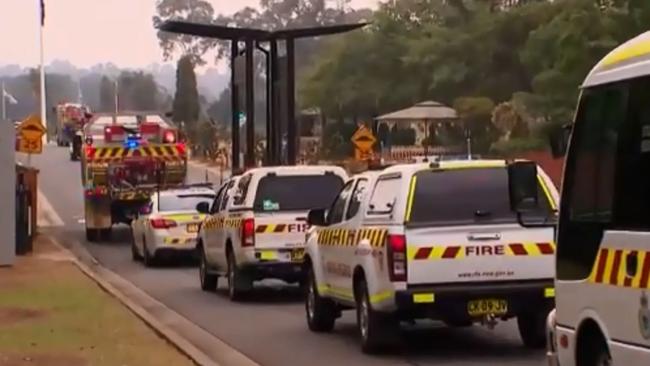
(41, 360)
(9, 316)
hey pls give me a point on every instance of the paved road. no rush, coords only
(270, 328)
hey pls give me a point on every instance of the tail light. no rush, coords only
(90, 151)
(397, 257)
(248, 233)
(169, 137)
(163, 223)
(181, 149)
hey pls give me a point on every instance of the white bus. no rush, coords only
(602, 314)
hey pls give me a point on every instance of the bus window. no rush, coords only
(589, 181)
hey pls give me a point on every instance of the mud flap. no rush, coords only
(98, 213)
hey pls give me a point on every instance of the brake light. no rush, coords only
(181, 149)
(169, 137)
(397, 257)
(162, 223)
(90, 151)
(248, 233)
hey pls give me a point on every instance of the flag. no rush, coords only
(42, 13)
(9, 97)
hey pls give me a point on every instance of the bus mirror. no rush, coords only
(559, 141)
(317, 217)
(203, 207)
(522, 186)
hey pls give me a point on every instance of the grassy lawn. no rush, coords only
(51, 314)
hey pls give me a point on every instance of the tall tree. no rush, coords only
(197, 11)
(186, 100)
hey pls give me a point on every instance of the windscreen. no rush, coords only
(183, 202)
(296, 192)
(467, 197)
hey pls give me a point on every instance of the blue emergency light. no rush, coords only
(132, 141)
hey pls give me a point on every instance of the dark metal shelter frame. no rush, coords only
(279, 75)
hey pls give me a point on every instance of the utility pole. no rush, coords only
(117, 101)
(4, 103)
(42, 81)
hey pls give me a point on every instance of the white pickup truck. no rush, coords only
(435, 241)
(256, 226)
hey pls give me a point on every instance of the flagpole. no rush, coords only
(4, 102)
(43, 104)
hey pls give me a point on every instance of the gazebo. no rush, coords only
(420, 117)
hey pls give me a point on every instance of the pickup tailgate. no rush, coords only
(475, 253)
(280, 235)
(460, 228)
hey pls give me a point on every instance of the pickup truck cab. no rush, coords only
(436, 241)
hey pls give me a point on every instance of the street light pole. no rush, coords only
(42, 78)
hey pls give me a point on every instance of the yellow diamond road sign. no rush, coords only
(31, 128)
(363, 139)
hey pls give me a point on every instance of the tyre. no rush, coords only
(235, 292)
(321, 312)
(592, 350)
(377, 330)
(532, 328)
(92, 235)
(148, 258)
(106, 234)
(208, 281)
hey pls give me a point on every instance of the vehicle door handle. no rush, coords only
(484, 237)
(301, 219)
(631, 264)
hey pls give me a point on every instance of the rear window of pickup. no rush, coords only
(471, 196)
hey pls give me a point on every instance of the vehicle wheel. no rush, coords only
(532, 328)
(376, 329)
(149, 259)
(106, 234)
(208, 281)
(602, 357)
(234, 291)
(321, 312)
(92, 235)
(134, 250)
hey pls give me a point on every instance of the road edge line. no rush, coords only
(179, 342)
(46, 211)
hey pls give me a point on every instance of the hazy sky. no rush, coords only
(87, 32)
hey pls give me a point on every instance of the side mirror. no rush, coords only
(316, 217)
(145, 210)
(522, 186)
(559, 141)
(203, 207)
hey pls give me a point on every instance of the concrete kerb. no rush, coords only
(109, 281)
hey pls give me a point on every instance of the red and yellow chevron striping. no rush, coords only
(281, 228)
(458, 252)
(168, 153)
(610, 268)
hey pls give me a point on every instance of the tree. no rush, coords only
(476, 114)
(186, 100)
(197, 11)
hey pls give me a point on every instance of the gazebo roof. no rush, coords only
(423, 111)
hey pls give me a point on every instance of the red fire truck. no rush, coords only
(124, 159)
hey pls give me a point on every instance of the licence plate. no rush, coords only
(192, 228)
(297, 255)
(487, 306)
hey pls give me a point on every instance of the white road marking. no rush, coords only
(46, 215)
